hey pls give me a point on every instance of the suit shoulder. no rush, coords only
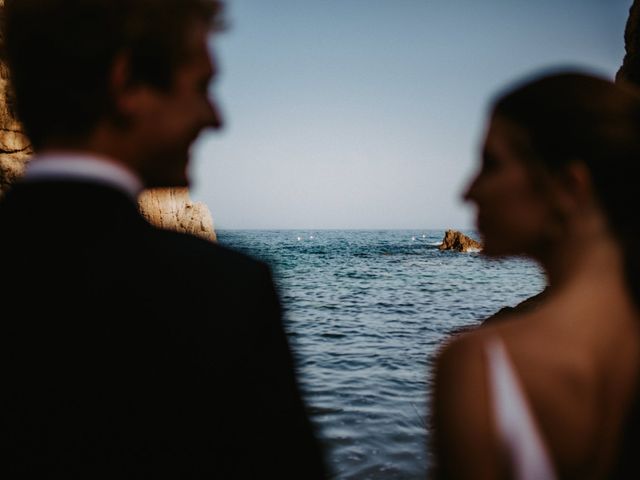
(188, 249)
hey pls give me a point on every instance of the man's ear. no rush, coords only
(124, 92)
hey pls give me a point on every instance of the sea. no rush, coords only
(366, 312)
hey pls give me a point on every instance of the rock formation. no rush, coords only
(15, 148)
(171, 208)
(166, 208)
(630, 69)
(454, 240)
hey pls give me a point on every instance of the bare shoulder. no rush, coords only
(461, 370)
(462, 351)
(466, 349)
(465, 443)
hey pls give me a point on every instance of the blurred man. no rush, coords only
(127, 351)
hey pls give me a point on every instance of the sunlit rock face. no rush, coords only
(15, 148)
(454, 240)
(172, 209)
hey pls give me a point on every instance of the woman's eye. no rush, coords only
(489, 163)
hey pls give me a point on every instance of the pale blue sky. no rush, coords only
(369, 113)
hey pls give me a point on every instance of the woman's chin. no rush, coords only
(495, 249)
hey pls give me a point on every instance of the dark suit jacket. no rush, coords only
(127, 351)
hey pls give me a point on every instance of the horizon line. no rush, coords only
(338, 228)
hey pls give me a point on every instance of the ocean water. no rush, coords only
(366, 312)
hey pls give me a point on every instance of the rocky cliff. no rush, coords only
(630, 69)
(14, 145)
(171, 208)
(454, 240)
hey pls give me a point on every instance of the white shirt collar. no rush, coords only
(83, 167)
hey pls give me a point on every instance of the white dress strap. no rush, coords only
(516, 427)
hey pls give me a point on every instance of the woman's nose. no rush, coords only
(469, 194)
(213, 116)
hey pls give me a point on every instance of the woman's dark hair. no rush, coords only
(59, 54)
(569, 117)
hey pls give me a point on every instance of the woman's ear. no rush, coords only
(573, 187)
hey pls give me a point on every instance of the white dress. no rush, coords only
(517, 429)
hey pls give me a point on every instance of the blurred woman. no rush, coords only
(550, 393)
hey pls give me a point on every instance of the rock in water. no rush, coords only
(454, 240)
